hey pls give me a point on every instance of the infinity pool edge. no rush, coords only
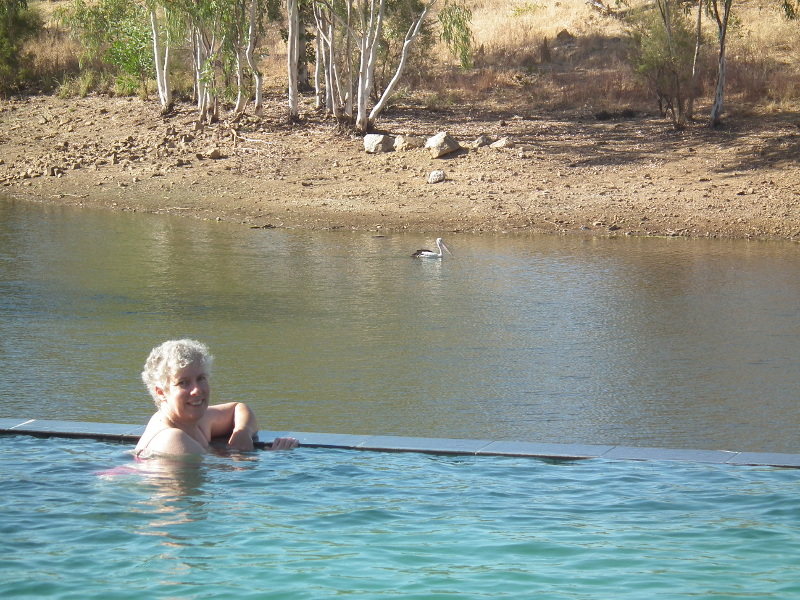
(129, 433)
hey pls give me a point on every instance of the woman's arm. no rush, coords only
(233, 420)
(239, 423)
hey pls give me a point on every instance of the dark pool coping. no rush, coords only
(387, 443)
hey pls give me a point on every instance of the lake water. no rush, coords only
(635, 341)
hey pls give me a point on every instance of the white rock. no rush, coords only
(436, 176)
(375, 143)
(481, 141)
(503, 142)
(441, 144)
(408, 142)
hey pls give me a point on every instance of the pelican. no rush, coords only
(430, 253)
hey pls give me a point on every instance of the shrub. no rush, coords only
(17, 24)
(116, 32)
(663, 58)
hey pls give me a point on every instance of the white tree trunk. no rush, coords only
(363, 29)
(292, 55)
(319, 91)
(204, 74)
(722, 26)
(696, 61)
(719, 94)
(371, 33)
(348, 48)
(199, 63)
(411, 35)
(325, 72)
(241, 94)
(161, 59)
(252, 36)
(245, 56)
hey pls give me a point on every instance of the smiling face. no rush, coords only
(186, 396)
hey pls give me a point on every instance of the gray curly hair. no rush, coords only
(169, 358)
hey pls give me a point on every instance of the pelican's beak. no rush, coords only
(446, 248)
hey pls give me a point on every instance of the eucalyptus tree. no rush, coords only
(249, 28)
(116, 31)
(668, 11)
(241, 46)
(293, 55)
(664, 55)
(351, 38)
(222, 36)
(696, 60)
(334, 73)
(206, 29)
(721, 12)
(371, 17)
(162, 27)
(364, 119)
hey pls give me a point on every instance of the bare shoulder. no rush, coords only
(160, 438)
(174, 441)
(154, 426)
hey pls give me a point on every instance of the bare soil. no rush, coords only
(615, 175)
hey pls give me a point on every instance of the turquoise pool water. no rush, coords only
(80, 519)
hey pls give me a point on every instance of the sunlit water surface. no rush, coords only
(80, 519)
(648, 342)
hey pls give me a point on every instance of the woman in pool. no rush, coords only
(176, 375)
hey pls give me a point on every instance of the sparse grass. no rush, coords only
(587, 66)
(128, 85)
(88, 81)
(763, 57)
(531, 55)
(50, 57)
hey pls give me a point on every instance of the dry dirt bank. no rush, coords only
(619, 176)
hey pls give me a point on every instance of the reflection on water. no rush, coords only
(650, 342)
(176, 496)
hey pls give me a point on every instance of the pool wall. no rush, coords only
(126, 433)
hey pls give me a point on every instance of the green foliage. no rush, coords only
(272, 9)
(664, 61)
(115, 31)
(455, 20)
(88, 81)
(131, 49)
(18, 23)
(442, 99)
(399, 17)
(126, 85)
(526, 9)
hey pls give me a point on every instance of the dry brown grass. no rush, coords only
(518, 41)
(513, 23)
(52, 57)
(537, 55)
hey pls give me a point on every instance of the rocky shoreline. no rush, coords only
(588, 175)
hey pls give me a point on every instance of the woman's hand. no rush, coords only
(284, 443)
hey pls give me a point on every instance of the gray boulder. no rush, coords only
(375, 143)
(441, 144)
(408, 142)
